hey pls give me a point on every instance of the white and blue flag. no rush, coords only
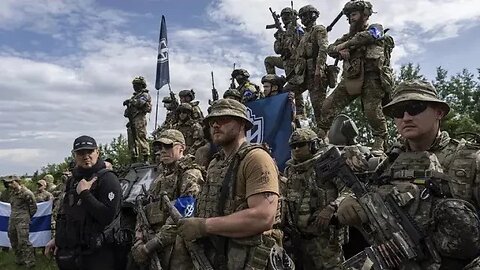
(40, 225)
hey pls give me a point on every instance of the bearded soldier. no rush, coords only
(137, 107)
(247, 89)
(238, 205)
(365, 52)
(188, 96)
(311, 56)
(434, 178)
(190, 128)
(180, 177)
(22, 202)
(311, 203)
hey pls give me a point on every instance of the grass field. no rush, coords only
(7, 261)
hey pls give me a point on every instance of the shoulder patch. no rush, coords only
(111, 195)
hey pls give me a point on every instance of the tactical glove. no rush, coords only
(140, 253)
(192, 228)
(351, 213)
(324, 217)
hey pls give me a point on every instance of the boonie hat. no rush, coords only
(228, 107)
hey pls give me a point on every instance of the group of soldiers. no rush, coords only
(23, 204)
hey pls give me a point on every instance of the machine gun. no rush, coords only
(199, 259)
(276, 19)
(147, 232)
(397, 239)
(214, 91)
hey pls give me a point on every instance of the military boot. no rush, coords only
(377, 147)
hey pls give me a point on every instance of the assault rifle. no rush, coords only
(147, 232)
(214, 91)
(276, 19)
(232, 80)
(174, 100)
(397, 239)
(332, 24)
(199, 259)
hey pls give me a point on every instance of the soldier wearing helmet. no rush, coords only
(42, 195)
(248, 90)
(233, 94)
(365, 51)
(311, 57)
(449, 213)
(272, 84)
(188, 96)
(191, 129)
(50, 180)
(244, 214)
(137, 108)
(311, 202)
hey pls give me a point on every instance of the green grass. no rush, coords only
(7, 261)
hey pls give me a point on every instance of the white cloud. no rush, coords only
(21, 155)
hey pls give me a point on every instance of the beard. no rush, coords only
(357, 26)
(223, 138)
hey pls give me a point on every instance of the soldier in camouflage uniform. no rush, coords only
(238, 219)
(311, 203)
(180, 176)
(190, 128)
(188, 96)
(435, 178)
(22, 202)
(42, 195)
(170, 106)
(233, 94)
(311, 57)
(365, 52)
(137, 107)
(50, 182)
(248, 90)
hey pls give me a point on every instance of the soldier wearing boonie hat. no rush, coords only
(42, 195)
(228, 107)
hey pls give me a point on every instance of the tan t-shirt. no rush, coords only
(257, 173)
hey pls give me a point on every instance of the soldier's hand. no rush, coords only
(344, 54)
(340, 46)
(324, 217)
(51, 247)
(355, 159)
(84, 185)
(192, 228)
(140, 253)
(351, 213)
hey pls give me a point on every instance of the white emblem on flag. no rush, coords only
(111, 196)
(255, 134)
(162, 51)
(189, 210)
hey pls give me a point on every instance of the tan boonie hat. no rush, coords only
(11, 178)
(414, 90)
(42, 183)
(170, 136)
(228, 107)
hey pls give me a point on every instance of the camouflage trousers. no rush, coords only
(320, 253)
(18, 229)
(316, 91)
(137, 141)
(372, 95)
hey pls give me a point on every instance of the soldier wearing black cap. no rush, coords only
(92, 199)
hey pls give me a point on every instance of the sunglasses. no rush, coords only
(221, 120)
(298, 145)
(412, 108)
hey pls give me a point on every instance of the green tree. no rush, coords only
(118, 151)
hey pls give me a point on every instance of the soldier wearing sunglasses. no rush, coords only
(435, 179)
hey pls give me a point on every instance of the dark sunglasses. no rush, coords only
(221, 120)
(165, 146)
(412, 108)
(298, 145)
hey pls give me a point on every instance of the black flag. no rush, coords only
(163, 73)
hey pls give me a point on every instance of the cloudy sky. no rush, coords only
(67, 65)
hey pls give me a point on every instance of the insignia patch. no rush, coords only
(111, 196)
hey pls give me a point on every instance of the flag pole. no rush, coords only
(163, 73)
(156, 109)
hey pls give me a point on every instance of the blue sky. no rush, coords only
(67, 65)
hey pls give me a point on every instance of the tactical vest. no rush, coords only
(305, 194)
(218, 198)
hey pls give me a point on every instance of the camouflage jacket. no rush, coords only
(43, 196)
(193, 133)
(311, 52)
(249, 92)
(197, 111)
(286, 42)
(139, 104)
(23, 204)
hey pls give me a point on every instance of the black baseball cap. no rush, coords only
(84, 142)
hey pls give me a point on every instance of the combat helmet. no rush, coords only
(301, 135)
(308, 8)
(49, 178)
(240, 71)
(234, 93)
(187, 93)
(140, 80)
(167, 99)
(288, 10)
(358, 5)
(184, 107)
(274, 80)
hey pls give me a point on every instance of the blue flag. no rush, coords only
(185, 205)
(272, 123)
(163, 73)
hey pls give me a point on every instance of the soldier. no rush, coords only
(272, 84)
(22, 202)
(50, 182)
(311, 57)
(137, 107)
(42, 195)
(311, 202)
(236, 219)
(233, 94)
(190, 128)
(285, 43)
(435, 177)
(180, 177)
(365, 53)
(248, 90)
(188, 96)
(170, 106)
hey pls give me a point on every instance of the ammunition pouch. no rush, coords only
(154, 212)
(332, 75)
(354, 76)
(300, 70)
(259, 255)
